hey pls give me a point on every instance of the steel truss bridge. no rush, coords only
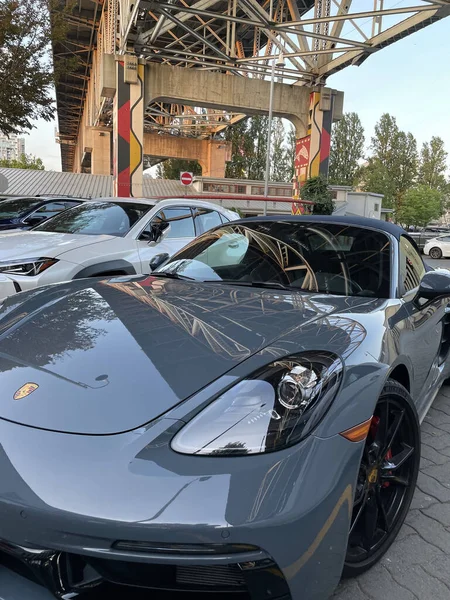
(237, 37)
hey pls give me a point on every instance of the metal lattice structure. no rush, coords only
(238, 37)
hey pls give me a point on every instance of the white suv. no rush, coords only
(105, 236)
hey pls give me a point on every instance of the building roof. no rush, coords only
(27, 182)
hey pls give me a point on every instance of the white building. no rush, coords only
(12, 147)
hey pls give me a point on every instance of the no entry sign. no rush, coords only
(186, 178)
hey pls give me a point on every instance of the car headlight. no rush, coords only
(276, 407)
(27, 266)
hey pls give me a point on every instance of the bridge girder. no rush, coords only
(238, 37)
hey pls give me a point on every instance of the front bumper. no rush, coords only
(65, 523)
(8, 287)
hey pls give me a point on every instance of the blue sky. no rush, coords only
(409, 79)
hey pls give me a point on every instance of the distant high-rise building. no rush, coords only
(12, 147)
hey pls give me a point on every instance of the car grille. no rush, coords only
(105, 579)
(216, 576)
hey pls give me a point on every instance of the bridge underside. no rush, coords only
(236, 38)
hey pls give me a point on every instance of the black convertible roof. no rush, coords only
(391, 228)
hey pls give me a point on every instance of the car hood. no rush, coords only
(36, 244)
(102, 357)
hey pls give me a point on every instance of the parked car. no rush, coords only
(438, 247)
(423, 236)
(107, 236)
(27, 212)
(245, 419)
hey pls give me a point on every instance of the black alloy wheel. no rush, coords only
(436, 253)
(386, 479)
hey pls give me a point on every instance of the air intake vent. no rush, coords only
(218, 576)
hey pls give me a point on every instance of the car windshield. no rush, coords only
(15, 207)
(311, 256)
(97, 218)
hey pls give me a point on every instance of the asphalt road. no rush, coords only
(443, 263)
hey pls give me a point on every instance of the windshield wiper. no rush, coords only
(172, 275)
(259, 284)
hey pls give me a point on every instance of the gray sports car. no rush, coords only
(245, 420)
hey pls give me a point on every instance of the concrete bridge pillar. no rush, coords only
(128, 127)
(312, 151)
(136, 84)
(101, 152)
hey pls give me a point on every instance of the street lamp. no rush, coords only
(278, 62)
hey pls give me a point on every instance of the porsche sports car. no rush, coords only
(245, 420)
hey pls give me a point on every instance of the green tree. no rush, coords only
(257, 130)
(316, 190)
(241, 149)
(26, 69)
(26, 161)
(392, 168)
(171, 169)
(421, 204)
(280, 160)
(405, 165)
(433, 164)
(347, 149)
(290, 151)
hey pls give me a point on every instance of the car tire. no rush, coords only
(382, 495)
(435, 253)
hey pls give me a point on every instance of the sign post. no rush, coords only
(186, 178)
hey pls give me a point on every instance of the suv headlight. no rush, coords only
(27, 266)
(276, 407)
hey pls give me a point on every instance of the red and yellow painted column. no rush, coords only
(128, 127)
(312, 152)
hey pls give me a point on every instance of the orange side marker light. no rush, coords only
(358, 433)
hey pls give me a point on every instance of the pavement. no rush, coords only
(417, 566)
(443, 263)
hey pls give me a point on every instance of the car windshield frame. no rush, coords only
(347, 259)
(33, 204)
(56, 224)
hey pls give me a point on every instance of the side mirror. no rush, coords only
(158, 260)
(33, 221)
(158, 231)
(435, 284)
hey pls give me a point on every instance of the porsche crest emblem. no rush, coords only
(25, 390)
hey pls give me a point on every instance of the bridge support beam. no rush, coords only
(139, 84)
(212, 155)
(200, 87)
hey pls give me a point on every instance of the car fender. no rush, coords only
(110, 266)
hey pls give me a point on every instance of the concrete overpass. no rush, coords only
(160, 79)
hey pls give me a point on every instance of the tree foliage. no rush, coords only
(421, 204)
(26, 161)
(171, 169)
(257, 131)
(241, 149)
(26, 69)
(392, 168)
(282, 157)
(248, 139)
(316, 190)
(433, 164)
(347, 149)
(291, 144)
